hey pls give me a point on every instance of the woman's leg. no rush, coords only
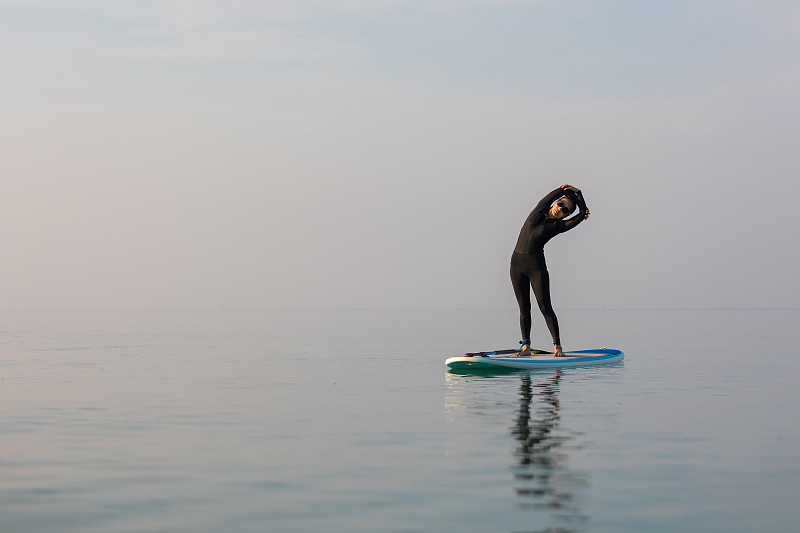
(522, 290)
(540, 281)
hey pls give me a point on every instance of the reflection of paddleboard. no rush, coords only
(489, 361)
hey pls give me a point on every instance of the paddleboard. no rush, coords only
(499, 360)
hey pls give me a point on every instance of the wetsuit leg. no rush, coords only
(522, 290)
(540, 281)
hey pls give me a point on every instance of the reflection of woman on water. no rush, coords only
(540, 458)
(528, 268)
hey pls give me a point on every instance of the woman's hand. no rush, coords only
(567, 187)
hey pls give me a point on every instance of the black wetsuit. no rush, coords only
(528, 268)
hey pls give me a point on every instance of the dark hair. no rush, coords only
(572, 201)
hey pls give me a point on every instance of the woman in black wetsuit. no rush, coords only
(528, 268)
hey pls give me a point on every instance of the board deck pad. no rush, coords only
(504, 359)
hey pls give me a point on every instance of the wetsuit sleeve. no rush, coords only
(545, 203)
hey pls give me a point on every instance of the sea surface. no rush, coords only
(348, 421)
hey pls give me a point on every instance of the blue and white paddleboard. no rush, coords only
(489, 361)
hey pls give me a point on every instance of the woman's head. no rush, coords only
(561, 208)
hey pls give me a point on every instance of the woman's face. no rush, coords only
(561, 208)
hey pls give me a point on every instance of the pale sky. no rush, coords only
(355, 153)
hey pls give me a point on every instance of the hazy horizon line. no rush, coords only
(233, 308)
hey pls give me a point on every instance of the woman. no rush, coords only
(528, 268)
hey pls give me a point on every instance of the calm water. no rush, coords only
(347, 421)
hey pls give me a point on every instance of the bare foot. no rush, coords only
(525, 351)
(557, 351)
